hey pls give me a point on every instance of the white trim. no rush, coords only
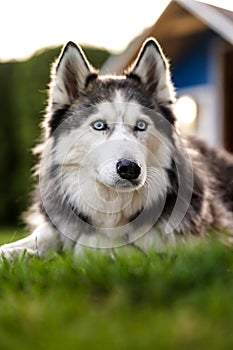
(217, 50)
(208, 14)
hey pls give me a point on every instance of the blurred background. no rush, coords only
(196, 36)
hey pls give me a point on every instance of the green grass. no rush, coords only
(179, 300)
(8, 235)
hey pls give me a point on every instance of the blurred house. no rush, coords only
(198, 39)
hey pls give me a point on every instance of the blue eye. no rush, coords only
(100, 125)
(141, 125)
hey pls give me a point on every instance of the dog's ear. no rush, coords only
(69, 75)
(152, 68)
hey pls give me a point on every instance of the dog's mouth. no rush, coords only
(127, 185)
(121, 185)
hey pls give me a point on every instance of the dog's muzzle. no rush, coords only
(128, 170)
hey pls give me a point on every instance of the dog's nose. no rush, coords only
(128, 170)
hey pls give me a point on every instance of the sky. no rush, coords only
(27, 26)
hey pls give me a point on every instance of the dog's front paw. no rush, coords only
(13, 253)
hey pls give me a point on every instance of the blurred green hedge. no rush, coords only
(23, 96)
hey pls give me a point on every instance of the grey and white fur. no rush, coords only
(114, 170)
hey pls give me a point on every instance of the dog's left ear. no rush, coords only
(152, 68)
(69, 75)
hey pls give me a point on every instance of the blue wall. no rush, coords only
(193, 68)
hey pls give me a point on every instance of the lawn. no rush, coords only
(182, 299)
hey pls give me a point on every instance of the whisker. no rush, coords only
(68, 165)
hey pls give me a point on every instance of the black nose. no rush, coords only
(128, 170)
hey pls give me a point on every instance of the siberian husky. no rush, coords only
(114, 170)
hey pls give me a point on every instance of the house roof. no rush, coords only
(218, 19)
(181, 22)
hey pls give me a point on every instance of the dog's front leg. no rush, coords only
(43, 240)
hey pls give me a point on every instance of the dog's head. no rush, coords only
(113, 130)
(110, 137)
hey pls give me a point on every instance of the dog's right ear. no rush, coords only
(69, 76)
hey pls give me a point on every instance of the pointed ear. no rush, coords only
(69, 75)
(152, 68)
